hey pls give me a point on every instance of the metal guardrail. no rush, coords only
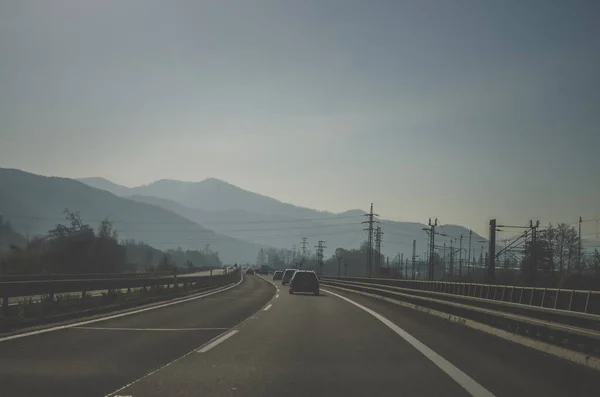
(577, 330)
(58, 276)
(9, 289)
(581, 301)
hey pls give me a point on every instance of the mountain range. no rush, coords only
(34, 204)
(235, 222)
(249, 216)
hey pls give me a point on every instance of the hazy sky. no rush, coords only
(464, 110)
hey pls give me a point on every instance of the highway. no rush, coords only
(257, 340)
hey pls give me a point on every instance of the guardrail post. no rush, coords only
(556, 298)
(531, 297)
(571, 299)
(587, 301)
(543, 297)
(521, 296)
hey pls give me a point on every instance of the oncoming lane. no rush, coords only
(94, 359)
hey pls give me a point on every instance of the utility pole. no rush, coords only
(431, 232)
(451, 257)
(460, 257)
(401, 262)
(414, 258)
(469, 260)
(444, 259)
(303, 245)
(294, 254)
(406, 269)
(579, 248)
(370, 221)
(320, 247)
(339, 258)
(534, 244)
(492, 252)
(378, 234)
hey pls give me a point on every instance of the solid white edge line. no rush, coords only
(129, 313)
(267, 307)
(464, 380)
(217, 341)
(556, 351)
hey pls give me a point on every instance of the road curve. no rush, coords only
(303, 345)
(255, 341)
(95, 360)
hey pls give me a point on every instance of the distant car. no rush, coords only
(304, 281)
(278, 275)
(250, 271)
(287, 276)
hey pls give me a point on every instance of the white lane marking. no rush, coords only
(113, 393)
(220, 339)
(268, 307)
(129, 313)
(470, 385)
(276, 296)
(150, 329)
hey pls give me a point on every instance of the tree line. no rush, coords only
(76, 247)
(554, 258)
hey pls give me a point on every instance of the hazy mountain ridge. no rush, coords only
(210, 194)
(283, 229)
(34, 204)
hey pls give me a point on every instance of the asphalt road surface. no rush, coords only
(265, 342)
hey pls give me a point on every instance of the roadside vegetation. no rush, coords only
(77, 248)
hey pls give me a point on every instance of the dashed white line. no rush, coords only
(215, 342)
(150, 329)
(268, 307)
(276, 296)
(464, 380)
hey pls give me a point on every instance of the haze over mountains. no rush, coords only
(249, 216)
(34, 204)
(235, 222)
